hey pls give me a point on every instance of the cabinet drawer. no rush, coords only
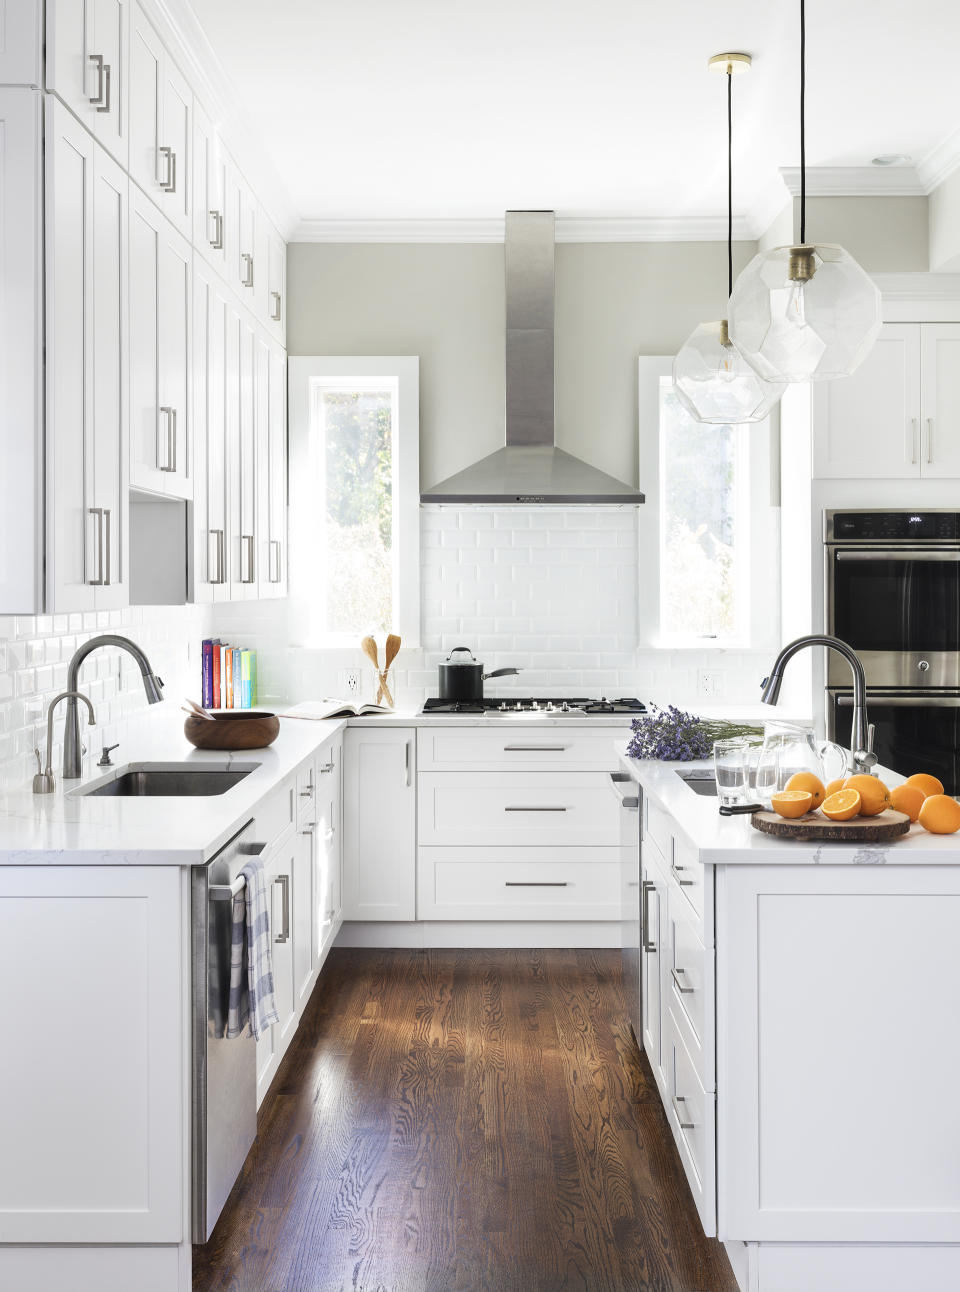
(653, 856)
(307, 788)
(518, 884)
(476, 808)
(691, 1113)
(656, 824)
(690, 985)
(516, 744)
(276, 813)
(686, 871)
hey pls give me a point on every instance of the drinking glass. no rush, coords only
(730, 769)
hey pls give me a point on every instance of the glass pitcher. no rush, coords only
(789, 748)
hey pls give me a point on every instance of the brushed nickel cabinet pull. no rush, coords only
(534, 749)
(216, 242)
(929, 439)
(275, 312)
(106, 543)
(247, 280)
(677, 1100)
(275, 549)
(248, 542)
(97, 99)
(171, 446)
(98, 512)
(105, 107)
(536, 883)
(169, 182)
(217, 534)
(407, 763)
(534, 809)
(648, 945)
(684, 883)
(911, 453)
(684, 991)
(284, 934)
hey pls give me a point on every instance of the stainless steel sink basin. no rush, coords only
(700, 781)
(169, 780)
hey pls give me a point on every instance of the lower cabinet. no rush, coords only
(380, 820)
(653, 923)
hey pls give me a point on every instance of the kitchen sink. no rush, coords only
(700, 781)
(169, 780)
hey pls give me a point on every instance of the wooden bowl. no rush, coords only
(243, 729)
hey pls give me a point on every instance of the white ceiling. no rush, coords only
(434, 109)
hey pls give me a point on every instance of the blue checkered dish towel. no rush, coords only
(251, 964)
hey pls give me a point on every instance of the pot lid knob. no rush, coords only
(469, 653)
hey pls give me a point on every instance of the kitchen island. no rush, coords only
(798, 1005)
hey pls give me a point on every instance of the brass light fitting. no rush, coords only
(730, 64)
(802, 266)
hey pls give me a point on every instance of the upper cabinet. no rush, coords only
(898, 416)
(161, 111)
(209, 192)
(88, 48)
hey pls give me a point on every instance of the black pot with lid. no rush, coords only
(462, 677)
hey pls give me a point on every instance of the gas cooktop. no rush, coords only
(498, 707)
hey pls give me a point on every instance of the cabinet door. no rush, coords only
(303, 902)
(379, 838)
(87, 49)
(208, 566)
(653, 929)
(146, 88)
(868, 426)
(276, 284)
(21, 350)
(272, 469)
(242, 226)
(329, 885)
(940, 399)
(174, 359)
(21, 45)
(209, 191)
(176, 115)
(281, 925)
(110, 427)
(72, 556)
(243, 463)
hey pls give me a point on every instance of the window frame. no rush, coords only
(307, 375)
(757, 627)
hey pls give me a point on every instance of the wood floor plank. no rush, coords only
(463, 1121)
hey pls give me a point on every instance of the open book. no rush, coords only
(317, 710)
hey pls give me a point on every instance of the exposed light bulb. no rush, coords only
(796, 312)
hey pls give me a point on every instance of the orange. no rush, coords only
(834, 786)
(807, 781)
(925, 783)
(940, 814)
(841, 805)
(874, 795)
(907, 798)
(791, 803)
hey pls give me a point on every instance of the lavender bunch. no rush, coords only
(677, 737)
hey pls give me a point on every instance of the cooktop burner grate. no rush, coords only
(580, 706)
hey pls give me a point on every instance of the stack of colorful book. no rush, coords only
(229, 676)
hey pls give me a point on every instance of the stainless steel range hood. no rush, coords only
(530, 468)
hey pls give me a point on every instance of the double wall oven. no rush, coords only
(893, 592)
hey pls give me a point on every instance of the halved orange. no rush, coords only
(907, 798)
(792, 803)
(841, 806)
(874, 795)
(925, 783)
(807, 781)
(940, 814)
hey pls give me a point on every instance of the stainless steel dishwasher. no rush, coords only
(224, 1071)
(628, 792)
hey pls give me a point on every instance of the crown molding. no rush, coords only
(186, 39)
(855, 181)
(569, 229)
(941, 161)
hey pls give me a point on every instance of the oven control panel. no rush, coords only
(892, 526)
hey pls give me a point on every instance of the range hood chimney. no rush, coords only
(530, 468)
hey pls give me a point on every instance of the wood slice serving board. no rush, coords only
(814, 826)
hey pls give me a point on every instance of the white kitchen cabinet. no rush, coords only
(898, 416)
(328, 893)
(242, 456)
(21, 44)
(86, 214)
(160, 280)
(209, 191)
(21, 352)
(653, 929)
(281, 879)
(518, 883)
(210, 552)
(380, 823)
(276, 267)
(88, 64)
(303, 902)
(575, 809)
(241, 239)
(520, 748)
(161, 108)
(92, 1111)
(271, 445)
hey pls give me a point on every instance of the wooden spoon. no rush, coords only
(393, 645)
(369, 648)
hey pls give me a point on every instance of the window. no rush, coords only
(354, 498)
(710, 520)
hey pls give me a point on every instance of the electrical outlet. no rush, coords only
(710, 684)
(350, 681)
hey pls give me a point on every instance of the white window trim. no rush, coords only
(305, 373)
(760, 628)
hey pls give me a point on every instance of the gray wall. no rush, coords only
(945, 225)
(885, 234)
(445, 303)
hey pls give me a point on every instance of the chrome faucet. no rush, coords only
(864, 759)
(152, 685)
(43, 782)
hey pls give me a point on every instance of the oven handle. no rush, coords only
(900, 554)
(916, 699)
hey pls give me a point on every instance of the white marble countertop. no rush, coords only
(68, 829)
(732, 840)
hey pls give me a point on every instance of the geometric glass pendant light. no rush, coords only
(807, 312)
(712, 379)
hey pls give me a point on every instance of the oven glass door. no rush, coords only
(895, 600)
(914, 733)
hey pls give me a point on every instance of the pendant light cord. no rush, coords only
(729, 182)
(803, 127)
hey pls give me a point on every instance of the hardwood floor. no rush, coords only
(463, 1121)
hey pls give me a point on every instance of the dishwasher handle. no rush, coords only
(227, 892)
